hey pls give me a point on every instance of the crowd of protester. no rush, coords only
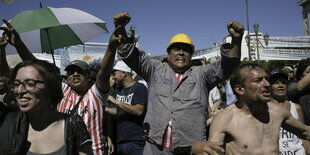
(139, 105)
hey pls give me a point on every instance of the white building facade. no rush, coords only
(275, 48)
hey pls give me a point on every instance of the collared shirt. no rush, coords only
(168, 133)
(90, 109)
(184, 102)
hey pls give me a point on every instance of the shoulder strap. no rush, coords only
(75, 108)
(66, 127)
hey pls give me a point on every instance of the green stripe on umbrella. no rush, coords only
(53, 37)
(46, 29)
(34, 19)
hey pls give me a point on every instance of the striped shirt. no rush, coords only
(90, 109)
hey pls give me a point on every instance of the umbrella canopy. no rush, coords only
(48, 28)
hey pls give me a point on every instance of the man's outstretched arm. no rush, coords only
(117, 39)
(4, 66)
(299, 87)
(235, 30)
(295, 126)
(216, 137)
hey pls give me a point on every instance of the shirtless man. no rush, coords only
(251, 124)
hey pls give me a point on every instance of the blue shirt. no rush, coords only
(129, 127)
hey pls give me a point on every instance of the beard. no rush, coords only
(118, 86)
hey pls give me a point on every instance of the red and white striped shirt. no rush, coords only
(90, 109)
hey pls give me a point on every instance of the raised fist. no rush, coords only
(122, 19)
(235, 29)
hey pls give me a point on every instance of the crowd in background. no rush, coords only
(129, 107)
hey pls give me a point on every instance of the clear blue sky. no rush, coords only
(203, 20)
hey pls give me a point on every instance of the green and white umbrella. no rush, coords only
(48, 28)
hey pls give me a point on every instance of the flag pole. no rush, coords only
(248, 36)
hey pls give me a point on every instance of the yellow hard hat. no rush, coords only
(181, 38)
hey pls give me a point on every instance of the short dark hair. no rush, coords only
(302, 66)
(95, 67)
(237, 78)
(276, 75)
(51, 78)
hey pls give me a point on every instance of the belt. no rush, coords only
(182, 150)
(186, 150)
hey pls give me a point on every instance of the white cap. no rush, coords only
(121, 66)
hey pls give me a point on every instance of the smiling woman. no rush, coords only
(40, 129)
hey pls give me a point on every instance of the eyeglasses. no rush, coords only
(28, 84)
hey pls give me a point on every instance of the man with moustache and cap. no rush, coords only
(178, 91)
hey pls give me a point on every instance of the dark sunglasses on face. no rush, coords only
(78, 70)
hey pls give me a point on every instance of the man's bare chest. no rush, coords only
(250, 133)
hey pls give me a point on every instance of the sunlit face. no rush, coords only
(30, 100)
(179, 57)
(278, 88)
(256, 87)
(78, 79)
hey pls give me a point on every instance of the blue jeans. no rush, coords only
(130, 148)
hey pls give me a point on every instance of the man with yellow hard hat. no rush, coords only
(178, 92)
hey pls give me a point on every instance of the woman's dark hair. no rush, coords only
(51, 78)
(302, 66)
